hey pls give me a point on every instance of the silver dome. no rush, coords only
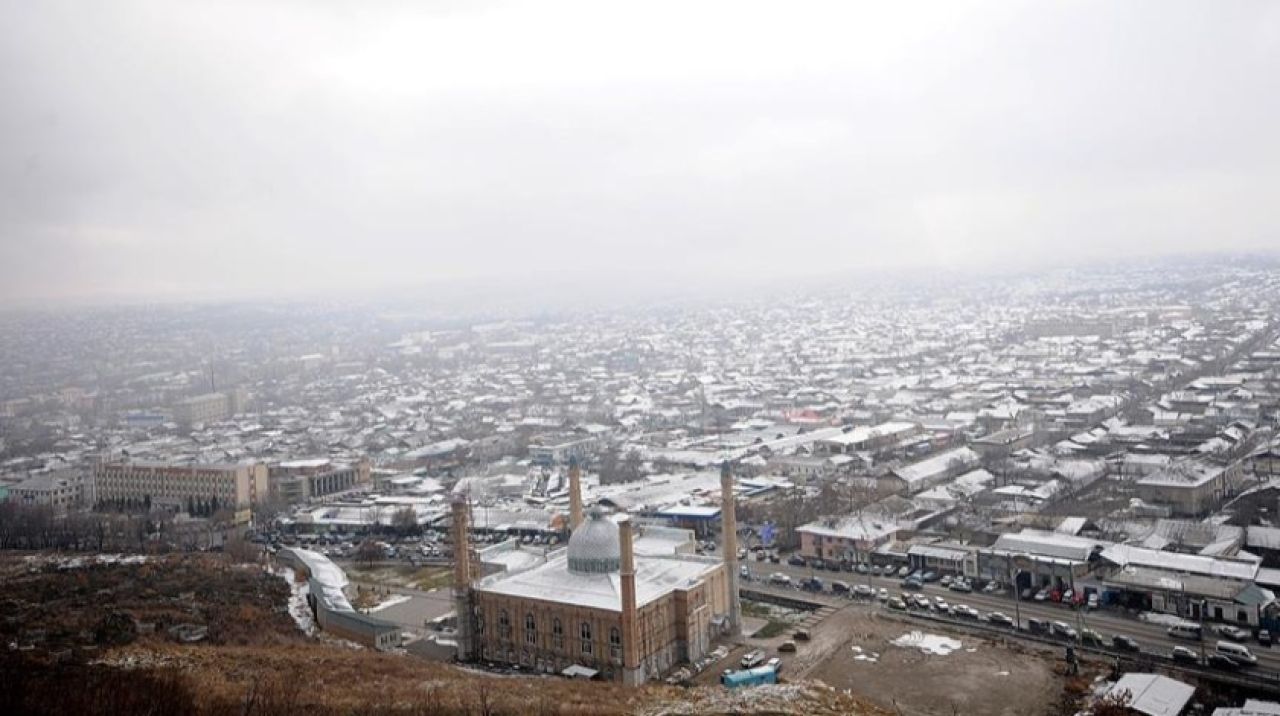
(594, 546)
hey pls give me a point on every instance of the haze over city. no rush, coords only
(504, 358)
(158, 150)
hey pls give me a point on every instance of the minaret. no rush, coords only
(462, 576)
(729, 538)
(575, 493)
(632, 673)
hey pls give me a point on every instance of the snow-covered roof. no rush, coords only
(553, 582)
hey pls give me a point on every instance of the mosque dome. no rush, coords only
(594, 546)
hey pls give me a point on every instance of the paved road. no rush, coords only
(1150, 637)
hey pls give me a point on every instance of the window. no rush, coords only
(504, 625)
(615, 643)
(557, 634)
(530, 629)
(584, 634)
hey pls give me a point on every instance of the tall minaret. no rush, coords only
(575, 493)
(632, 673)
(462, 576)
(729, 537)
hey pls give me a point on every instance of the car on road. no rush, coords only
(1124, 643)
(883, 594)
(864, 591)
(1233, 633)
(811, 584)
(800, 635)
(787, 647)
(1264, 637)
(1185, 630)
(1092, 638)
(922, 601)
(1000, 619)
(1063, 630)
(1184, 655)
(1218, 661)
(861, 568)
(964, 611)
(1038, 626)
(838, 587)
(992, 588)
(929, 577)
(780, 578)
(940, 604)
(961, 585)
(898, 604)
(946, 581)
(752, 659)
(912, 583)
(795, 560)
(1238, 653)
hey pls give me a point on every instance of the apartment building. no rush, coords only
(238, 485)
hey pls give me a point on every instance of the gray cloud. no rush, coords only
(228, 149)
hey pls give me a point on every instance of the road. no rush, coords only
(1150, 637)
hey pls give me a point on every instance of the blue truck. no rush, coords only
(750, 677)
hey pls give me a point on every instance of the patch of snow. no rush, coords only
(298, 607)
(928, 643)
(1165, 619)
(390, 602)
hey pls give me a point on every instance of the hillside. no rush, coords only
(95, 638)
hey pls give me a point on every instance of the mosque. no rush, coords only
(621, 602)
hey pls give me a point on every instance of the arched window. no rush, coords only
(615, 643)
(530, 629)
(557, 634)
(504, 625)
(584, 635)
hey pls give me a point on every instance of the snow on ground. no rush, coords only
(800, 697)
(391, 601)
(86, 560)
(298, 607)
(928, 643)
(1164, 619)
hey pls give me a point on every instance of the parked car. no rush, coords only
(838, 587)
(863, 590)
(1093, 600)
(1124, 643)
(1238, 653)
(904, 571)
(744, 572)
(1091, 638)
(883, 594)
(1184, 655)
(1042, 595)
(1264, 637)
(774, 663)
(795, 560)
(800, 635)
(941, 605)
(779, 578)
(1233, 633)
(929, 576)
(946, 581)
(752, 659)
(898, 604)
(1000, 619)
(861, 568)
(1027, 593)
(1068, 596)
(961, 585)
(921, 601)
(992, 588)
(1038, 626)
(787, 647)
(912, 583)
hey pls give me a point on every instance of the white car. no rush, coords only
(883, 595)
(779, 578)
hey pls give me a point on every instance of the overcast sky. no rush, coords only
(166, 149)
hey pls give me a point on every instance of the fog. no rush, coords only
(163, 150)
